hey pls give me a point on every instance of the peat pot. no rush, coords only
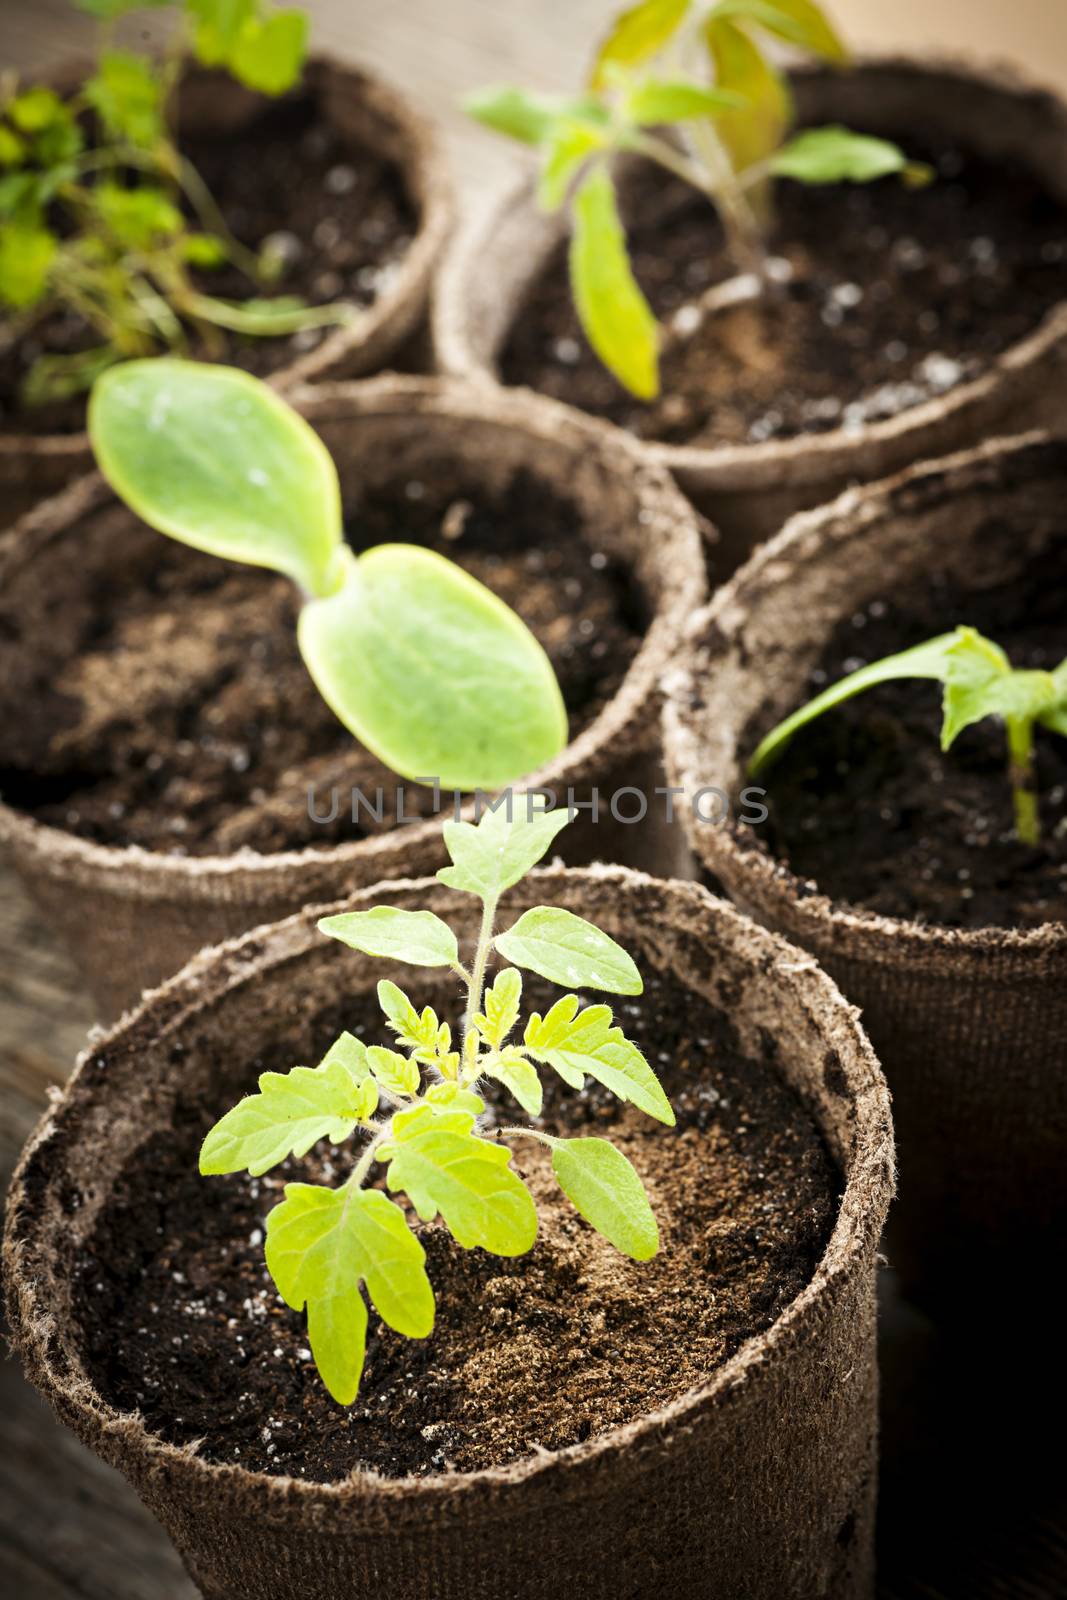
(344, 160)
(169, 773)
(756, 1479)
(897, 867)
(917, 322)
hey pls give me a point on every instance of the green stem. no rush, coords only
(477, 982)
(716, 179)
(1023, 780)
(366, 1161)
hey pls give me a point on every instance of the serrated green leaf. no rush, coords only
(567, 949)
(798, 22)
(351, 1053)
(127, 96)
(636, 34)
(837, 155)
(604, 1188)
(26, 258)
(469, 1182)
(292, 1111)
(518, 1076)
(417, 937)
(433, 672)
(755, 130)
(397, 1074)
(501, 1012)
(616, 317)
(500, 849)
(419, 1030)
(928, 660)
(587, 1043)
(321, 1244)
(656, 100)
(454, 1097)
(268, 54)
(529, 118)
(567, 146)
(214, 458)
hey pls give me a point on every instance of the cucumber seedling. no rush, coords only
(420, 1113)
(721, 127)
(427, 667)
(978, 681)
(102, 216)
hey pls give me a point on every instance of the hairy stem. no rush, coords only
(1023, 779)
(477, 977)
(366, 1160)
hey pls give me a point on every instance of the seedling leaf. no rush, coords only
(615, 315)
(321, 1244)
(215, 459)
(397, 1074)
(292, 1111)
(636, 35)
(496, 852)
(518, 1077)
(798, 22)
(267, 55)
(417, 937)
(604, 1188)
(588, 1043)
(756, 128)
(837, 155)
(567, 949)
(501, 1008)
(676, 100)
(468, 1180)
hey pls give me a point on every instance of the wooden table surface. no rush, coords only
(70, 1529)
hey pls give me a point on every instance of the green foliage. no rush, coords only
(419, 1108)
(421, 662)
(564, 948)
(106, 226)
(725, 138)
(978, 681)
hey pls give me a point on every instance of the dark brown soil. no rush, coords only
(182, 717)
(344, 217)
(897, 295)
(864, 803)
(181, 1320)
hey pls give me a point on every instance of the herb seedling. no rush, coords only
(97, 228)
(726, 139)
(978, 682)
(427, 667)
(420, 1112)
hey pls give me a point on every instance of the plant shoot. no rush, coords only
(418, 1108)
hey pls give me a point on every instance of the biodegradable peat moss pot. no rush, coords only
(161, 734)
(919, 319)
(346, 170)
(897, 866)
(707, 1419)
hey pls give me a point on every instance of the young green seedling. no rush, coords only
(978, 682)
(97, 227)
(427, 667)
(724, 138)
(420, 1111)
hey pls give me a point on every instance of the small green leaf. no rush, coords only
(127, 96)
(566, 949)
(268, 55)
(321, 1244)
(397, 1074)
(452, 1096)
(35, 109)
(980, 683)
(292, 1111)
(469, 1181)
(636, 34)
(568, 144)
(203, 250)
(615, 315)
(798, 22)
(26, 258)
(518, 1077)
(837, 155)
(501, 1008)
(656, 100)
(12, 148)
(529, 118)
(605, 1189)
(501, 848)
(138, 218)
(432, 672)
(215, 459)
(417, 937)
(754, 131)
(928, 660)
(418, 1031)
(588, 1043)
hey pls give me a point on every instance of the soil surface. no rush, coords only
(887, 296)
(863, 801)
(340, 216)
(182, 718)
(182, 1323)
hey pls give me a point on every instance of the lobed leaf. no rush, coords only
(416, 937)
(432, 672)
(214, 458)
(567, 949)
(397, 1074)
(616, 317)
(418, 1030)
(467, 1180)
(637, 34)
(321, 1244)
(501, 1008)
(605, 1189)
(518, 1077)
(501, 848)
(587, 1043)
